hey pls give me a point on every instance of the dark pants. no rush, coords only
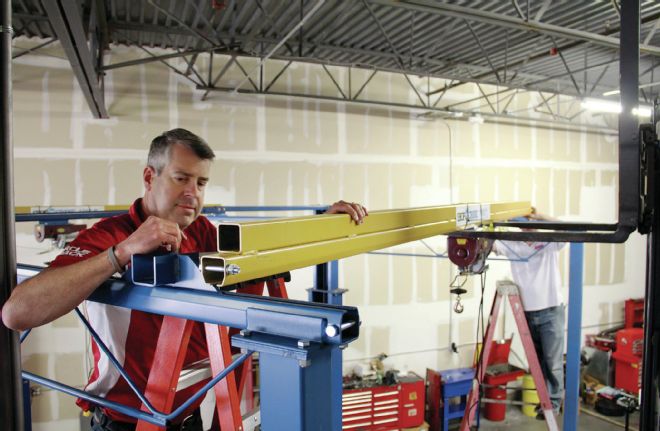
(101, 422)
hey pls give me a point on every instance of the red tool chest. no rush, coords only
(628, 359)
(382, 408)
(633, 313)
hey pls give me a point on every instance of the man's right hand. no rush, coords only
(152, 234)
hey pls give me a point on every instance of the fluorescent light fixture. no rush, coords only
(642, 111)
(457, 114)
(617, 91)
(608, 106)
(601, 106)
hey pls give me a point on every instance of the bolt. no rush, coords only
(245, 333)
(303, 344)
(304, 364)
(331, 331)
(232, 269)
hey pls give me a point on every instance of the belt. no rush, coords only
(101, 421)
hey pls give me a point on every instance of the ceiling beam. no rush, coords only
(66, 19)
(507, 21)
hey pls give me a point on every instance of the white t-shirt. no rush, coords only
(538, 279)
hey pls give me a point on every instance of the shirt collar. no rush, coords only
(136, 212)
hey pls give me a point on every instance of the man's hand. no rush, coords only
(355, 210)
(153, 233)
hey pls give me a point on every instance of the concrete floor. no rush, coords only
(516, 420)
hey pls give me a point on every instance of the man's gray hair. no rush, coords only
(159, 151)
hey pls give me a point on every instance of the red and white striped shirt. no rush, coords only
(132, 335)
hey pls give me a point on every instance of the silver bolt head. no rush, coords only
(331, 331)
(232, 269)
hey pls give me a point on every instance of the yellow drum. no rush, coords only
(529, 395)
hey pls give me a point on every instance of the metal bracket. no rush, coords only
(648, 150)
(7, 29)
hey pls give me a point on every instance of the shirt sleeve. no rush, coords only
(505, 248)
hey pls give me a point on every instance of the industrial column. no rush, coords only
(11, 401)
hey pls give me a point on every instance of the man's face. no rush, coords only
(177, 193)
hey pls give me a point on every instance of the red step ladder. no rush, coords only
(507, 289)
(170, 354)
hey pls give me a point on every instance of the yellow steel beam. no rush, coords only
(320, 244)
(245, 237)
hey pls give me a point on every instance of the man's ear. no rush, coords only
(148, 176)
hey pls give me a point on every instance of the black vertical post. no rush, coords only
(321, 285)
(648, 403)
(628, 122)
(11, 394)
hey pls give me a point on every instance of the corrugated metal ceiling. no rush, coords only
(558, 46)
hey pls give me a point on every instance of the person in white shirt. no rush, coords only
(535, 269)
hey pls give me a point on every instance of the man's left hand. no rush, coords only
(355, 210)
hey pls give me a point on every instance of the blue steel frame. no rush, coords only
(293, 339)
(208, 210)
(325, 290)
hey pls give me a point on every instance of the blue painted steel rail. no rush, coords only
(210, 210)
(284, 317)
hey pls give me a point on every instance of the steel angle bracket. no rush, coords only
(265, 343)
(175, 270)
(325, 238)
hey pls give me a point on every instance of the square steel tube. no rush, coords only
(229, 268)
(263, 235)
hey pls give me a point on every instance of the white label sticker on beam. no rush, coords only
(471, 214)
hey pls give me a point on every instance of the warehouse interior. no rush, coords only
(391, 104)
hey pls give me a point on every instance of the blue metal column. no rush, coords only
(295, 383)
(571, 403)
(327, 291)
(335, 296)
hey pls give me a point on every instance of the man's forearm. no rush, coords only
(54, 292)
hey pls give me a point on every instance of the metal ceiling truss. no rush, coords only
(501, 20)
(66, 20)
(500, 43)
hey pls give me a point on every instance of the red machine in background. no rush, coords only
(628, 359)
(633, 310)
(625, 347)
